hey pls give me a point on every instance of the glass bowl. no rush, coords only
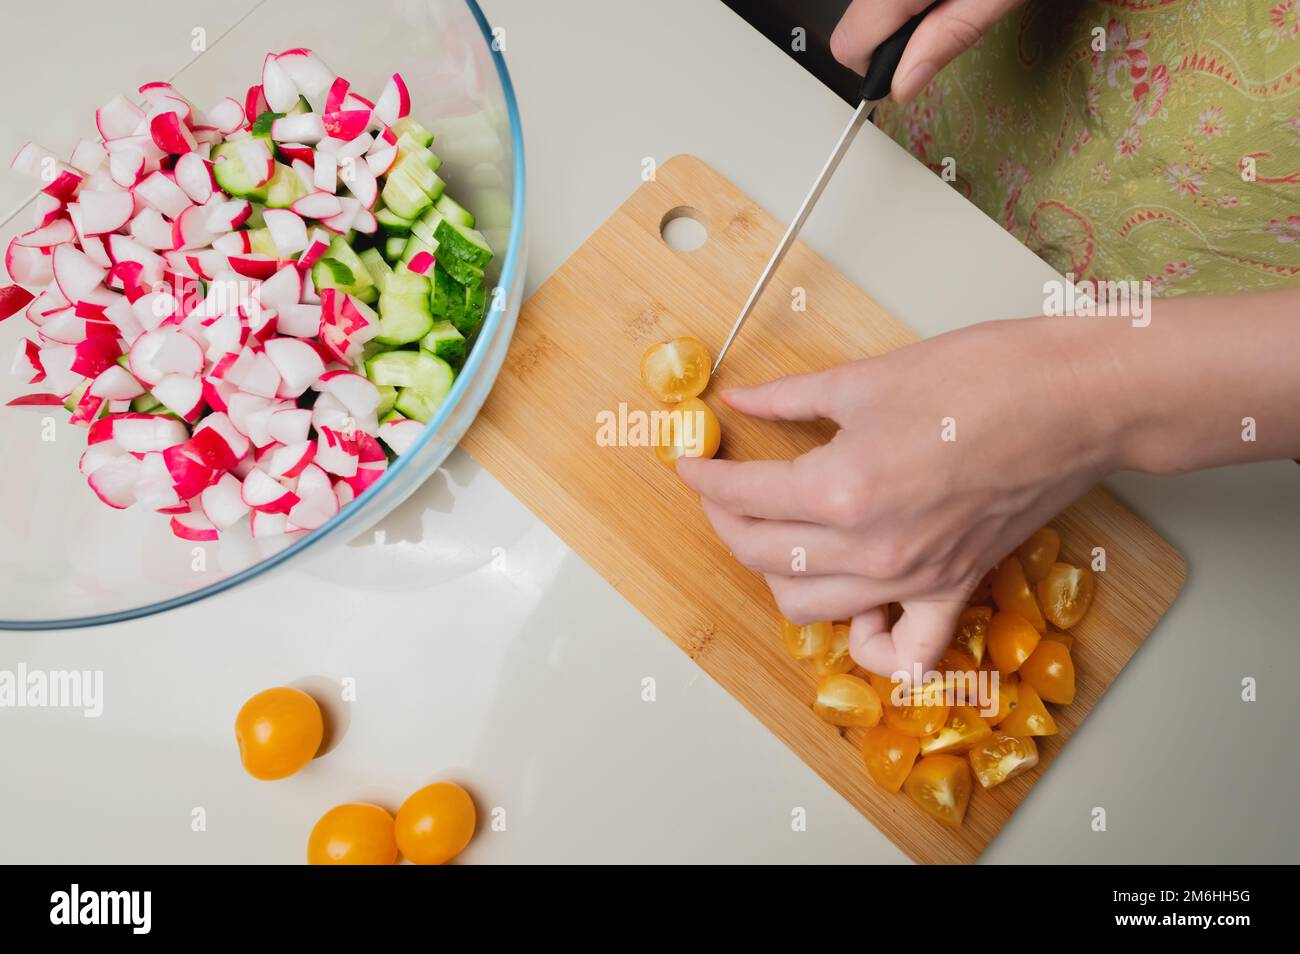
(67, 560)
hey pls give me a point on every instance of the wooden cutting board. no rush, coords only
(576, 354)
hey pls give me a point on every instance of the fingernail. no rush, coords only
(915, 81)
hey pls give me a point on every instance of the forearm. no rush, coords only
(1211, 381)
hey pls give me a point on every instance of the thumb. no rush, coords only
(920, 636)
(799, 397)
(948, 31)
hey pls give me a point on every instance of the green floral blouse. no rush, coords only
(1130, 140)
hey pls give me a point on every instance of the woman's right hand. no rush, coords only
(949, 30)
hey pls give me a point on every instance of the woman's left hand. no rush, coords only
(951, 452)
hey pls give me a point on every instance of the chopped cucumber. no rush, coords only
(352, 277)
(403, 281)
(414, 246)
(403, 318)
(261, 243)
(409, 148)
(234, 176)
(425, 225)
(387, 400)
(379, 270)
(475, 306)
(145, 404)
(420, 405)
(447, 300)
(394, 246)
(462, 242)
(285, 188)
(406, 126)
(445, 341)
(418, 172)
(468, 275)
(262, 125)
(392, 223)
(453, 210)
(403, 195)
(412, 371)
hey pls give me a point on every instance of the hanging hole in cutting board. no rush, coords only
(683, 229)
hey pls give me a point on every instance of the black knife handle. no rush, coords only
(880, 71)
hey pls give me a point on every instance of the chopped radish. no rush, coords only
(354, 391)
(75, 274)
(163, 351)
(163, 194)
(306, 128)
(190, 230)
(264, 493)
(280, 92)
(113, 481)
(105, 211)
(299, 321)
(97, 353)
(147, 433)
(254, 266)
(96, 456)
(227, 116)
(150, 229)
(318, 205)
(325, 172)
(394, 102)
(13, 299)
(290, 460)
(194, 176)
(180, 393)
(33, 161)
(59, 232)
(194, 526)
(421, 263)
(298, 365)
(126, 166)
(116, 383)
(118, 118)
(232, 445)
(289, 426)
(89, 156)
(154, 489)
(223, 502)
(288, 231)
(336, 453)
(171, 134)
(228, 215)
(400, 435)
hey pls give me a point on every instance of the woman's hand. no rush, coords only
(947, 31)
(951, 452)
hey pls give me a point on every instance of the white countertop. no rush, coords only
(536, 705)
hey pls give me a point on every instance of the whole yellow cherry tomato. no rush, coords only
(279, 731)
(353, 834)
(435, 824)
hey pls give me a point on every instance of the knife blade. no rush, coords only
(875, 87)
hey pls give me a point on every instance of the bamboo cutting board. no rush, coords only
(576, 354)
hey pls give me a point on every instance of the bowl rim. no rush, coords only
(491, 326)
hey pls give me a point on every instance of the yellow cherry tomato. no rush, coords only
(353, 834)
(435, 824)
(835, 657)
(807, 641)
(1012, 594)
(1039, 552)
(279, 731)
(1008, 697)
(915, 720)
(1002, 757)
(847, 701)
(1029, 716)
(941, 785)
(889, 755)
(1065, 594)
(973, 631)
(677, 369)
(963, 729)
(1011, 641)
(688, 430)
(1050, 671)
(1056, 636)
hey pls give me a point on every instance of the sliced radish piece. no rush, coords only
(232, 243)
(381, 161)
(190, 230)
(189, 474)
(86, 409)
(289, 426)
(27, 360)
(89, 156)
(232, 446)
(59, 232)
(288, 231)
(163, 351)
(361, 183)
(309, 74)
(280, 92)
(154, 489)
(226, 216)
(325, 172)
(77, 276)
(171, 134)
(147, 433)
(306, 128)
(265, 494)
(105, 211)
(290, 460)
(227, 116)
(33, 160)
(126, 166)
(344, 221)
(346, 124)
(241, 410)
(46, 209)
(182, 394)
(65, 183)
(318, 205)
(298, 365)
(150, 229)
(282, 289)
(317, 502)
(254, 373)
(35, 400)
(299, 321)
(118, 118)
(13, 299)
(116, 383)
(194, 176)
(354, 391)
(223, 502)
(421, 263)
(394, 102)
(336, 453)
(194, 526)
(96, 456)
(159, 191)
(254, 103)
(254, 266)
(28, 266)
(400, 435)
(113, 481)
(255, 155)
(97, 353)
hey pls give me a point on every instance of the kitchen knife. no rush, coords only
(875, 87)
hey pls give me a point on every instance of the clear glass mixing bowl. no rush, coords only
(66, 559)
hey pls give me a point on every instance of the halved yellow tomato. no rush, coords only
(835, 657)
(807, 641)
(1008, 698)
(689, 430)
(964, 728)
(1038, 553)
(1002, 757)
(973, 631)
(889, 755)
(847, 700)
(1065, 594)
(915, 720)
(1029, 716)
(1050, 671)
(1011, 641)
(941, 785)
(1012, 594)
(677, 369)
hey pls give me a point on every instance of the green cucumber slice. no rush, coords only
(285, 188)
(445, 341)
(462, 242)
(406, 126)
(392, 223)
(403, 318)
(394, 246)
(327, 274)
(380, 271)
(233, 176)
(403, 195)
(411, 370)
(451, 209)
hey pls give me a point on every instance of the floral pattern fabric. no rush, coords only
(1125, 140)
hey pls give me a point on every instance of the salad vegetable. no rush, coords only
(252, 309)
